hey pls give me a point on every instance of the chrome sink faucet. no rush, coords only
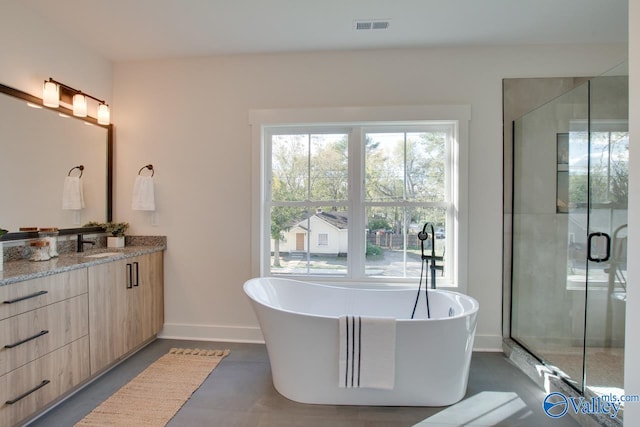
(82, 242)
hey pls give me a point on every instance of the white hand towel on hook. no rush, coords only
(72, 195)
(143, 194)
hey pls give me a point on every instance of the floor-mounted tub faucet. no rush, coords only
(423, 235)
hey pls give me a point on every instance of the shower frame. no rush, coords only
(519, 97)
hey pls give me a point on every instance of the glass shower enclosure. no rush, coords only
(569, 233)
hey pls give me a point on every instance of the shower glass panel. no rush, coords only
(549, 232)
(608, 192)
(569, 233)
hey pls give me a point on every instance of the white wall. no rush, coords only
(189, 118)
(632, 342)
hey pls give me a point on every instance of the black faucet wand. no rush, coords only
(423, 235)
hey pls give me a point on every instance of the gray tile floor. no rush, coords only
(239, 392)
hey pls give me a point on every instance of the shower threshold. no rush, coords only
(550, 380)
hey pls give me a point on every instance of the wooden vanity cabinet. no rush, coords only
(44, 342)
(57, 331)
(126, 306)
(146, 310)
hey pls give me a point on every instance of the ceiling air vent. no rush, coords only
(371, 24)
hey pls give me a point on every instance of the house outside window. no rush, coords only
(359, 193)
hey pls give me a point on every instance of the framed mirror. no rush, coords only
(39, 148)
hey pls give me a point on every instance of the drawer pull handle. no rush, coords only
(22, 396)
(137, 274)
(39, 334)
(37, 294)
(129, 276)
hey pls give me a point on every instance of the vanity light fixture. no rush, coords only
(104, 115)
(79, 105)
(51, 94)
(54, 91)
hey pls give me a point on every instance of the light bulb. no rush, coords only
(104, 115)
(51, 95)
(79, 105)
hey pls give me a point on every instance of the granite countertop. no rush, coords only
(18, 271)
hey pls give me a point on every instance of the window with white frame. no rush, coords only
(346, 202)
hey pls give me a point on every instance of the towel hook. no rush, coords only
(80, 167)
(150, 167)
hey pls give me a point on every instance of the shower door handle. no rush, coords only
(607, 239)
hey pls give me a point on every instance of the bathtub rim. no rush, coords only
(466, 313)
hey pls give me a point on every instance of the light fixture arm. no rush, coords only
(51, 95)
(77, 91)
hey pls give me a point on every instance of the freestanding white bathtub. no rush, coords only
(299, 321)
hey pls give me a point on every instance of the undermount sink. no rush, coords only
(102, 255)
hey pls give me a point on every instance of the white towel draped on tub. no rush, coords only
(72, 195)
(367, 352)
(143, 195)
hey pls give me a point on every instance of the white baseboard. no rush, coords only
(487, 343)
(253, 334)
(180, 331)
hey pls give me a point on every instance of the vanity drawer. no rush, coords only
(33, 334)
(20, 297)
(33, 386)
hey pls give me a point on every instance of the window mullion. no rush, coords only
(405, 194)
(308, 199)
(404, 161)
(356, 243)
(308, 167)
